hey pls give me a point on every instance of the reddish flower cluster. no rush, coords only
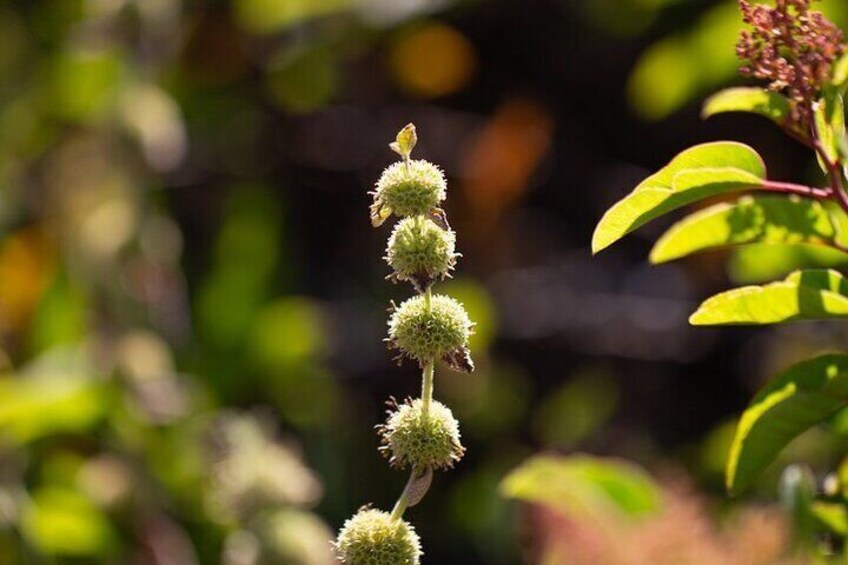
(791, 47)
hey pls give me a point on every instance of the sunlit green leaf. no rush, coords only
(760, 263)
(804, 295)
(700, 172)
(830, 125)
(406, 140)
(752, 219)
(584, 485)
(759, 101)
(803, 396)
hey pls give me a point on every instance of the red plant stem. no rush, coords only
(810, 192)
(798, 189)
(839, 191)
(834, 171)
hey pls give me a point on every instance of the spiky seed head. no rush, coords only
(438, 332)
(372, 537)
(414, 188)
(413, 437)
(421, 252)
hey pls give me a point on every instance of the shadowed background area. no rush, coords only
(192, 299)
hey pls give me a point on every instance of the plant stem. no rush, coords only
(426, 399)
(797, 189)
(834, 171)
(427, 386)
(403, 501)
(430, 367)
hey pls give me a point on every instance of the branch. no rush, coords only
(834, 171)
(797, 189)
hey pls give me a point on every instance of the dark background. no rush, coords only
(267, 286)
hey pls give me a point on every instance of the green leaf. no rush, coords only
(815, 294)
(830, 124)
(406, 141)
(831, 515)
(840, 73)
(752, 219)
(584, 485)
(761, 263)
(700, 172)
(805, 395)
(765, 103)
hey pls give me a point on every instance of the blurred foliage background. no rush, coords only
(192, 299)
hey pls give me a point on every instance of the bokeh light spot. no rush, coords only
(432, 60)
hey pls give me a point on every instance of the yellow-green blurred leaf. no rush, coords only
(32, 407)
(481, 310)
(84, 84)
(303, 80)
(831, 515)
(269, 16)
(577, 409)
(840, 72)
(287, 332)
(665, 78)
(584, 486)
(61, 521)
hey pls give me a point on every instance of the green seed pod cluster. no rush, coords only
(407, 189)
(420, 434)
(374, 537)
(421, 251)
(419, 438)
(423, 329)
